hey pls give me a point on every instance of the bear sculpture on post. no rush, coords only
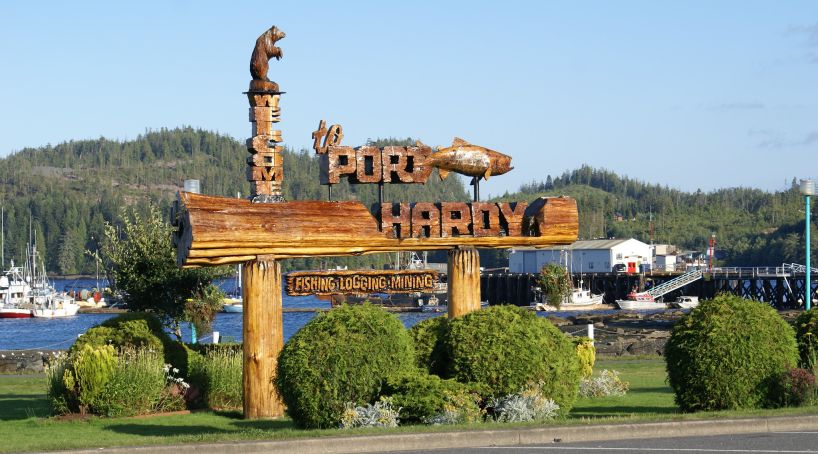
(264, 50)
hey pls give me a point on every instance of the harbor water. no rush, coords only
(60, 333)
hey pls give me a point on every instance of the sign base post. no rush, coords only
(263, 331)
(463, 281)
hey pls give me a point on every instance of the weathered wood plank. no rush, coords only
(225, 230)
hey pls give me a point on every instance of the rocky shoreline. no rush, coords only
(624, 333)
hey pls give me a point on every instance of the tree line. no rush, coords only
(62, 196)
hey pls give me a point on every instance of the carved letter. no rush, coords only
(455, 219)
(341, 162)
(319, 134)
(395, 225)
(368, 165)
(394, 160)
(485, 219)
(425, 220)
(513, 217)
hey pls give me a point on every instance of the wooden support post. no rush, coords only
(263, 337)
(464, 281)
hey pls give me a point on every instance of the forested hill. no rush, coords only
(752, 227)
(70, 190)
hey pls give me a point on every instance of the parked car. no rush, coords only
(619, 268)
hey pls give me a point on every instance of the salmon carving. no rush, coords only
(469, 159)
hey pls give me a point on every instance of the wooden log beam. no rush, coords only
(220, 230)
(263, 337)
(463, 270)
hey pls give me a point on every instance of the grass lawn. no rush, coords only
(26, 427)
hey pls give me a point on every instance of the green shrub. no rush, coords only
(57, 392)
(427, 336)
(793, 388)
(139, 385)
(339, 357)
(727, 353)
(503, 349)
(586, 354)
(806, 333)
(423, 398)
(136, 330)
(217, 374)
(84, 380)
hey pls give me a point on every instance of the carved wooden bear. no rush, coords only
(265, 50)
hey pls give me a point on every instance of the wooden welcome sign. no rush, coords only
(301, 283)
(220, 230)
(258, 232)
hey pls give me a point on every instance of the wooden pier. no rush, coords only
(783, 289)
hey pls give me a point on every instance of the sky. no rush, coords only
(692, 95)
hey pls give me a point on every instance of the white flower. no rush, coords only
(175, 370)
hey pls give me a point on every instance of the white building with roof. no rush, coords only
(585, 256)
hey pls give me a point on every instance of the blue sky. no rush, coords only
(694, 94)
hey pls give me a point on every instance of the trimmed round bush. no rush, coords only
(425, 398)
(503, 349)
(806, 334)
(727, 354)
(339, 357)
(430, 353)
(136, 330)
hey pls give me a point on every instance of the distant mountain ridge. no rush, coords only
(70, 190)
(752, 227)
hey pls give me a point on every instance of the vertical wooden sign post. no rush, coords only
(463, 271)
(261, 231)
(263, 326)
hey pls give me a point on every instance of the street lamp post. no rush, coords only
(808, 189)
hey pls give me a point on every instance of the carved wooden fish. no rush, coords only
(468, 159)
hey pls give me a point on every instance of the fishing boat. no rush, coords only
(13, 291)
(45, 300)
(26, 292)
(233, 303)
(640, 301)
(686, 302)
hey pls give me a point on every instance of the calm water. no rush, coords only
(58, 334)
(43, 334)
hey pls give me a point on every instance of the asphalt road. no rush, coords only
(762, 443)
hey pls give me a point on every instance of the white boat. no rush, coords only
(233, 304)
(582, 297)
(56, 306)
(686, 302)
(233, 308)
(45, 299)
(640, 301)
(26, 292)
(13, 294)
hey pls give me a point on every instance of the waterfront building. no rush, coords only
(585, 256)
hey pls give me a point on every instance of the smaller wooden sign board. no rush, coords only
(301, 283)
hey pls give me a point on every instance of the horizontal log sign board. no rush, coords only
(301, 283)
(220, 230)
